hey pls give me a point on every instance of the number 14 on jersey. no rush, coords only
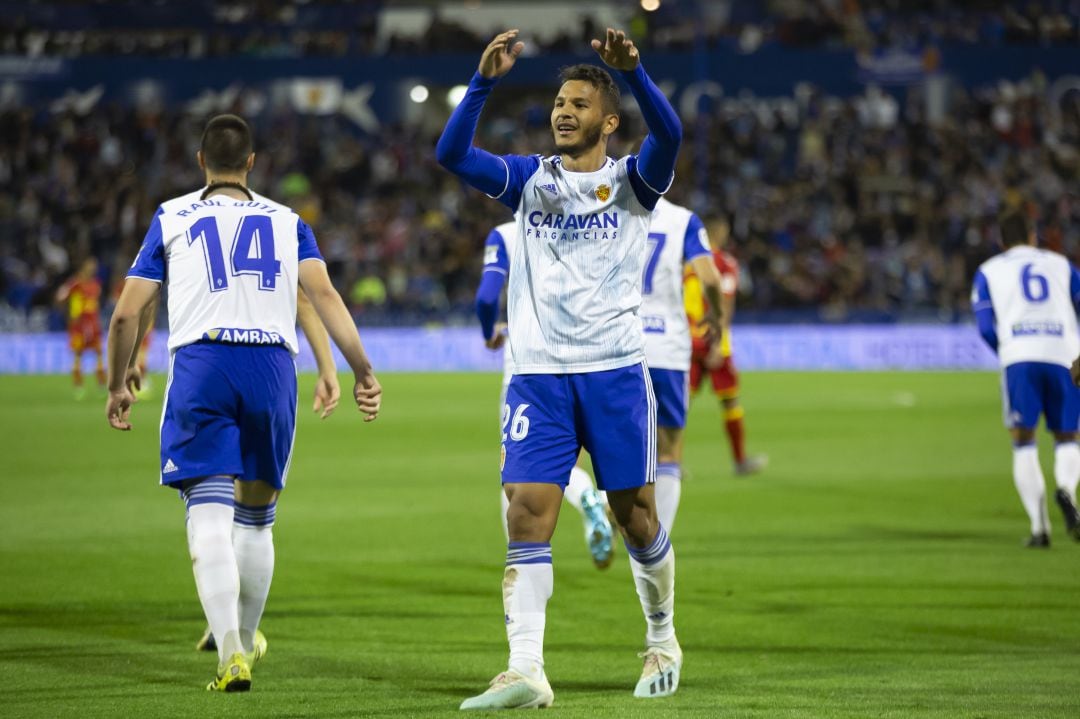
(254, 232)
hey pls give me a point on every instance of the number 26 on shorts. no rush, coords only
(519, 426)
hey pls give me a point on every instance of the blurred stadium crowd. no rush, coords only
(862, 209)
(305, 28)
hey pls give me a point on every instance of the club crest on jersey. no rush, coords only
(236, 335)
(603, 192)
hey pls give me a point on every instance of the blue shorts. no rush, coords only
(229, 409)
(1034, 388)
(671, 390)
(547, 419)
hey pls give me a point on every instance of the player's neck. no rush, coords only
(230, 186)
(589, 160)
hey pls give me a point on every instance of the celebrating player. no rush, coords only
(580, 379)
(228, 422)
(580, 492)
(715, 357)
(1025, 301)
(676, 239)
(82, 293)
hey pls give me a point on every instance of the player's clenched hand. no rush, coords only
(368, 394)
(500, 54)
(118, 408)
(327, 394)
(617, 50)
(498, 337)
(133, 380)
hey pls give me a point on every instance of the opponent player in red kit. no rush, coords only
(715, 358)
(82, 294)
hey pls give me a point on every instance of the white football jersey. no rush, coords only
(230, 267)
(676, 236)
(575, 279)
(1032, 294)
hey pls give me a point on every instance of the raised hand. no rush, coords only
(617, 50)
(500, 54)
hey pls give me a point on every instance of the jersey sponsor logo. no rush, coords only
(603, 192)
(237, 335)
(1030, 329)
(654, 325)
(550, 187)
(169, 467)
(590, 221)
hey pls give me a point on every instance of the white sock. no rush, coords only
(527, 585)
(216, 576)
(504, 505)
(1067, 467)
(668, 490)
(253, 544)
(654, 576)
(580, 481)
(1028, 477)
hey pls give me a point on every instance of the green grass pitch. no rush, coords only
(875, 570)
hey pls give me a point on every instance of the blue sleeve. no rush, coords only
(696, 241)
(149, 264)
(309, 249)
(653, 169)
(496, 257)
(487, 301)
(501, 177)
(1074, 286)
(984, 310)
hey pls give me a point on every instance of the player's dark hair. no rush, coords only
(226, 144)
(599, 78)
(1014, 227)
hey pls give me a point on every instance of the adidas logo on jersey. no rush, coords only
(550, 188)
(169, 467)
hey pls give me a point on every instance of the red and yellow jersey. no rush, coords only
(83, 299)
(694, 296)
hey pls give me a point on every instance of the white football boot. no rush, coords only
(660, 675)
(511, 690)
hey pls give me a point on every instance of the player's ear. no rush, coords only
(251, 161)
(199, 157)
(611, 124)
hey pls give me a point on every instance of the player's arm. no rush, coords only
(655, 162)
(327, 388)
(984, 310)
(698, 252)
(137, 295)
(140, 290)
(147, 319)
(496, 268)
(339, 323)
(501, 177)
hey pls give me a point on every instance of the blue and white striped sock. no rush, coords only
(208, 490)
(527, 585)
(210, 527)
(654, 577)
(253, 543)
(655, 552)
